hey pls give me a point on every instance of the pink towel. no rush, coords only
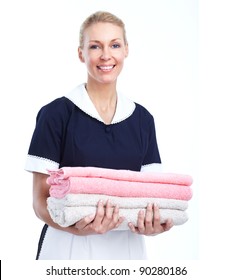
(123, 175)
(117, 188)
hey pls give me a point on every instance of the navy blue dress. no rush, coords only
(69, 132)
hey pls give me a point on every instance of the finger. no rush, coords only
(141, 217)
(115, 216)
(108, 216)
(168, 225)
(132, 228)
(149, 217)
(100, 212)
(116, 219)
(156, 218)
(120, 220)
(84, 222)
(109, 210)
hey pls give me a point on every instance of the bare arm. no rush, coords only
(105, 219)
(40, 195)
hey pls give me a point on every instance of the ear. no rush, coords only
(126, 50)
(80, 55)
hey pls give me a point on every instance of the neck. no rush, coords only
(104, 98)
(101, 91)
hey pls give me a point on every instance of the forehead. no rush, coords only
(102, 31)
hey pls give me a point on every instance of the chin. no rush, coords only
(108, 81)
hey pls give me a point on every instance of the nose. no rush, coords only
(106, 54)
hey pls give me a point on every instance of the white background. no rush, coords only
(39, 62)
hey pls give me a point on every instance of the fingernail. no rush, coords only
(122, 218)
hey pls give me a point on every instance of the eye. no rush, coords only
(116, 46)
(94, 47)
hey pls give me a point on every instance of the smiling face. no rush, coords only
(103, 52)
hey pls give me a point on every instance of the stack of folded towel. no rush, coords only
(75, 192)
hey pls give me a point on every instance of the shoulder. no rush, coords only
(56, 112)
(59, 105)
(143, 113)
(65, 103)
(129, 110)
(59, 108)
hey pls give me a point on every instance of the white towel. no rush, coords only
(122, 202)
(68, 216)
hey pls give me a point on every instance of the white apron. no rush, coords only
(113, 245)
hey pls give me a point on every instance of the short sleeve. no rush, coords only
(46, 147)
(152, 160)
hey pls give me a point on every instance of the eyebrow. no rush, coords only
(97, 41)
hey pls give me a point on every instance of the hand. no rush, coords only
(105, 219)
(149, 222)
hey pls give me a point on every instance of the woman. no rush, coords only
(94, 125)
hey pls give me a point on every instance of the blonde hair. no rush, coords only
(104, 17)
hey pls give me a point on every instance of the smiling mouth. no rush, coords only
(106, 68)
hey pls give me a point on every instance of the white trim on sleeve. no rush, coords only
(39, 164)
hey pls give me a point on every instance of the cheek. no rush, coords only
(120, 58)
(91, 60)
(91, 66)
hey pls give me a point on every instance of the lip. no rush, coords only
(106, 68)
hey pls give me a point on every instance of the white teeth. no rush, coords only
(106, 67)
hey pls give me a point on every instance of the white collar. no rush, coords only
(79, 96)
